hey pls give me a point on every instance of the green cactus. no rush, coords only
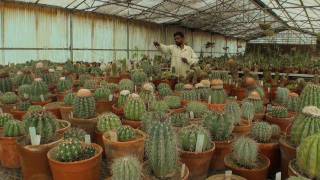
(126, 84)
(23, 105)
(24, 78)
(69, 99)
(220, 127)
(189, 95)
(13, 128)
(88, 152)
(247, 111)
(48, 77)
(134, 108)
(126, 133)
(257, 104)
(123, 97)
(165, 92)
(260, 90)
(84, 107)
(107, 122)
(179, 87)
(179, 119)
(245, 152)
(5, 82)
(218, 96)
(199, 109)
(9, 98)
(83, 78)
(69, 150)
(305, 124)
(114, 69)
(139, 77)
(161, 150)
(112, 87)
(38, 88)
(188, 138)
(151, 117)
(233, 111)
(276, 131)
(293, 103)
(102, 94)
(148, 97)
(279, 112)
(44, 123)
(64, 84)
(35, 108)
(174, 102)
(161, 106)
(308, 158)
(204, 93)
(163, 85)
(90, 84)
(75, 133)
(126, 168)
(261, 132)
(282, 95)
(24, 91)
(310, 96)
(4, 118)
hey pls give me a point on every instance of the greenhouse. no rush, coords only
(159, 89)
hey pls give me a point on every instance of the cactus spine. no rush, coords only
(9, 98)
(219, 126)
(126, 84)
(188, 138)
(69, 150)
(126, 168)
(199, 109)
(293, 102)
(84, 105)
(310, 96)
(75, 133)
(261, 132)
(102, 94)
(233, 111)
(64, 84)
(247, 111)
(173, 102)
(107, 122)
(282, 95)
(134, 108)
(245, 152)
(69, 99)
(13, 128)
(4, 118)
(126, 133)
(279, 112)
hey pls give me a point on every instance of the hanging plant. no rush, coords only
(265, 26)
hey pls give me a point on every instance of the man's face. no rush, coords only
(179, 40)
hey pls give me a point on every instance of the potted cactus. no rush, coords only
(54, 108)
(75, 133)
(160, 106)
(127, 141)
(6, 84)
(188, 94)
(39, 92)
(196, 156)
(309, 96)
(257, 102)
(8, 100)
(164, 89)
(113, 73)
(147, 94)
(282, 95)
(66, 107)
(218, 96)
(24, 77)
(138, 77)
(126, 84)
(20, 109)
(174, 104)
(150, 117)
(293, 103)
(117, 108)
(104, 100)
(221, 129)
(280, 116)
(90, 84)
(179, 120)
(73, 159)
(126, 168)
(12, 130)
(64, 85)
(133, 111)
(246, 161)
(203, 89)
(4, 118)
(198, 109)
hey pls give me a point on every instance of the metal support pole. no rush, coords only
(128, 46)
(2, 37)
(71, 37)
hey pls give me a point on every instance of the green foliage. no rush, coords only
(126, 133)
(69, 99)
(13, 128)
(64, 84)
(75, 133)
(23, 105)
(38, 88)
(123, 97)
(279, 112)
(190, 95)
(90, 84)
(107, 122)
(247, 110)
(5, 82)
(174, 102)
(161, 106)
(179, 119)
(84, 107)
(199, 109)
(151, 117)
(188, 138)
(126, 168)
(310, 96)
(218, 96)
(261, 132)
(126, 84)
(233, 111)
(139, 77)
(4, 118)
(245, 152)
(134, 108)
(102, 94)
(165, 91)
(220, 127)
(179, 86)
(9, 98)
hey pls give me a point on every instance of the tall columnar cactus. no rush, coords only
(282, 95)
(173, 102)
(233, 111)
(24, 78)
(310, 96)
(5, 82)
(261, 132)
(247, 111)
(69, 150)
(9, 98)
(64, 84)
(245, 152)
(90, 84)
(161, 106)
(125, 133)
(161, 150)
(188, 137)
(126, 84)
(276, 131)
(75, 133)
(44, 123)
(147, 94)
(102, 94)
(255, 99)
(23, 105)
(113, 87)
(149, 118)
(308, 158)
(24, 91)
(218, 95)
(107, 122)
(4, 118)
(179, 119)
(305, 124)
(123, 97)
(220, 127)
(134, 108)
(279, 112)
(126, 168)
(139, 77)
(179, 87)
(84, 105)
(69, 99)
(189, 95)
(199, 109)
(13, 128)
(204, 93)
(293, 102)
(38, 89)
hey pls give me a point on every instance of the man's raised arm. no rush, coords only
(163, 48)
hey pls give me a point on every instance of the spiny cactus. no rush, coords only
(245, 152)
(165, 91)
(276, 131)
(4, 118)
(179, 119)
(173, 102)
(24, 91)
(161, 106)
(310, 96)
(83, 78)
(9, 98)
(44, 123)
(23, 105)
(189, 95)
(233, 111)
(151, 117)
(24, 78)
(279, 112)
(84, 105)
(220, 127)
(188, 138)
(134, 108)
(293, 102)
(163, 85)
(199, 109)
(112, 87)
(161, 150)
(308, 158)
(179, 87)
(107, 122)
(35, 108)
(75, 133)
(126, 168)
(203, 93)
(260, 90)
(5, 82)
(282, 95)
(13, 128)
(247, 111)
(139, 77)
(102, 94)
(90, 84)
(218, 96)
(126, 133)
(261, 132)
(69, 150)
(257, 104)
(305, 124)
(64, 84)
(69, 99)
(126, 84)
(38, 89)
(148, 97)
(48, 76)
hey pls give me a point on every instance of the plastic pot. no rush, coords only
(272, 151)
(222, 149)
(88, 125)
(133, 124)
(283, 123)
(103, 106)
(10, 156)
(288, 153)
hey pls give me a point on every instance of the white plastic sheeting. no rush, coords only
(288, 37)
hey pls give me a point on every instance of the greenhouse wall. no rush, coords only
(32, 32)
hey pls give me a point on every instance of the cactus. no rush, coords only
(165, 91)
(24, 78)
(188, 138)
(112, 87)
(161, 106)
(151, 117)
(245, 152)
(305, 124)
(139, 77)
(88, 152)
(75, 133)
(107, 122)
(308, 158)
(38, 88)
(179, 87)
(189, 95)
(9, 98)
(134, 108)
(293, 102)
(233, 111)
(102, 94)
(64, 84)
(161, 150)
(199, 109)
(83, 78)
(23, 105)
(126, 133)
(218, 96)
(260, 91)
(219, 127)
(24, 91)
(148, 97)
(44, 123)
(69, 99)
(13, 128)
(179, 119)
(163, 85)
(48, 76)
(126, 168)
(123, 97)
(279, 112)
(126, 84)
(4, 118)
(204, 93)
(310, 96)
(5, 82)
(276, 131)
(257, 104)
(282, 95)
(90, 84)
(247, 111)
(35, 108)
(174, 102)
(84, 105)
(261, 132)
(69, 150)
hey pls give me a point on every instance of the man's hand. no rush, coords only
(156, 44)
(185, 60)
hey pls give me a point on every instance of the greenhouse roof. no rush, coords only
(236, 18)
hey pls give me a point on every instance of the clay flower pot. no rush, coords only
(148, 174)
(117, 110)
(7, 108)
(41, 103)
(283, 123)
(184, 103)
(293, 171)
(18, 115)
(99, 140)
(241, 93)
(197, 162)
(60, 96)
(118, 149)
(272, 151)
(111, 79)
(65, 112)
(133, 124)
(103, 106)
(88, 125)
(216, 107)
(10, 155)
(222, 149)
(224, 177)
(242, 129)
(88, 169)
(54, 108)
(288, 152)
(64, 126)
(260, 172)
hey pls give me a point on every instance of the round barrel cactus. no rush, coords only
(123, 97)
(179, 86)
(69, 99)
(188, 137)
(165, 92)
(84, 105)
(282, 95)
(24, 91)
(9, 98)
(13, 128)
(247, 111)
(245, 152)
(24, 78)
(261, 132)
(90, 84)
(102, 94)
(64, 84)
(220, 127)
(113, 87)
(4, 118)
(233, 111)
(107, 122)
(310, 96)
(69, 150)
(293, 102)
(173, 102)
(161, 106)
(189, 95)
(199, 109)
(139, 77)
(126, 168)
(179, 119)
(134, 108)
(38, 89)
(279, 112)
(147, 94)
(126, 84)
(75, 133)
(126, 133)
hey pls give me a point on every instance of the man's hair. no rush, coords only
(178, 34)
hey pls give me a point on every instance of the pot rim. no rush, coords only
(10, 138)
(289, 118)
(108, 141)
(203, 152)
(295, 171)
(226, 141)
(283, 140)
(64, 121)
(265, 167)
(30, 147)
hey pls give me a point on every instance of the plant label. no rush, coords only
(200, 141)
(135, 88)
(110, 97)
(191, 115)
(87, 139)
(199, 97)
(35, 139)
(113, 136)
(183, 169)
(42, 98)
(209, 100)
(278, 176)
(228, 175)
(268, 90)
(150, 78)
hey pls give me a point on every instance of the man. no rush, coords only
(182, 56)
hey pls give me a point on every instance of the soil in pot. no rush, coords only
(54, 108)
(224, 177)
(283, 123)
(260, 172)
(88, 125)
(272, 151)
(65, 112)
(103, 106)
(88, 169)
(133, 124)
(222, 149)
(9, 152)
(288, 152)
(148, 175)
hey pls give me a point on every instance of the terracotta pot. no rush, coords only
(125, 76)
(99, 140)
(148, 174)
(103, 106)
(178, 110)
(242, 129)
(272, 151)
(118, 111)
(65, 126)
(34, 160)
(88, 169)
(54, 108)
(292, 171)
(118, 149)
(260, 173)
(6, 108)
(259, 116)
(197, 163)
(41, 103)
(241, 93)
(216, 107)
(88, 125)
(60, 97)
(224, 177)
(18, 115)
(115, 80)
(133, 124)
(222, 149)
(9, 150)
(184, 103)
(288, 153)
(65, 112)
(228, 88)
(283, 123)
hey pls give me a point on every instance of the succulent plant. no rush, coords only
(90, 84)
(179, 119)
(179, 87)
(83, 78)
(220, 127)
(148, 96)
(24, 91)
(23, 105)
(161, 106)
(199, 109)
(217, 93)
(190, 95)
(49, 76)
(174, 102)
(64, 84)
(69, 99)
(282, 95)
(5, 82)
(305, 124)
(204, 93)
(261, 132)
(4, 118)
(247, 111)
(35, 108)
(293, 102)
(107, 122)
(257, 104)
(233, 111)
(126, 168)
(161, 150)
(310, 96)
(75, 133)
(102, 94)
(112, 87)
(279, 112)
(165, 91)
(123, 97)
(126, 84)
(69, 150)
(24, 78)
(276, 131)
(9, 98)
(308, 158)
(163, 85)
(84, 105)
(245, 152)
(125, 133)
(13, 128)
(151, 117)
(188, 138)
(134, 108)
(139, 77)
(38, 89)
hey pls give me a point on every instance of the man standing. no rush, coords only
(182, 56)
